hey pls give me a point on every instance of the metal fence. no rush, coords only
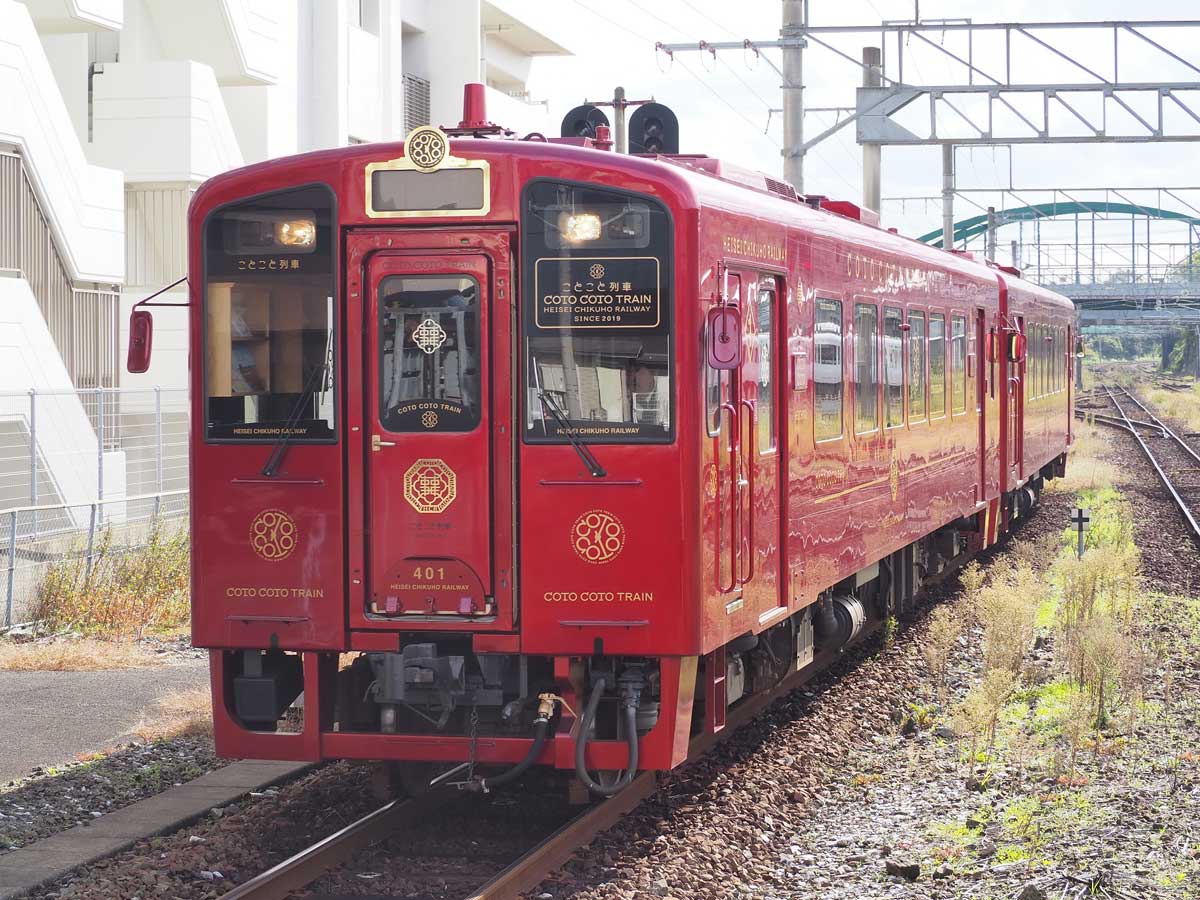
(74, 464)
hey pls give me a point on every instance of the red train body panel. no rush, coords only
(378, 464)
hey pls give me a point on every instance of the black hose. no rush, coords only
(585, 726)
(541, 728)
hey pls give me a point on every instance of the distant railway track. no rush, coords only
(1175, 461)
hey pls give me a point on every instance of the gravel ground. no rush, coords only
(53, 799)
(837, 794)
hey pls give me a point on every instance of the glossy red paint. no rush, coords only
(744, 518)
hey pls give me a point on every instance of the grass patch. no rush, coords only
(83, 655)
(1182, 406)
(1085, 467)
(179, 714)
(124, 593)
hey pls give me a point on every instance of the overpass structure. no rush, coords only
(1123, 255)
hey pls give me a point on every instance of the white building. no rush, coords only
(112, 112)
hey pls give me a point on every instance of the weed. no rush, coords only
(123, 593)
(944, 629)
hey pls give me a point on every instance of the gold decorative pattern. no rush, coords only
(427, 147)
(273, 534)
(894, 478)
(429, 336)
(596, 271)
(598, 536)
(430, 486)
(429, 419)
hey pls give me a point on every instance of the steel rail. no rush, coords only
(1158, 423)
(531, 869)
(1162, 475)
(305, 867)
(548, 856)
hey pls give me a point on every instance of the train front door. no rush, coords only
(754, 487)
(434, 440)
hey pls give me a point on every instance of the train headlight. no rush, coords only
(298, 233)
(577, 227)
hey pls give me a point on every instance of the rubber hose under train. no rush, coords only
(631, 737)
(541, 728)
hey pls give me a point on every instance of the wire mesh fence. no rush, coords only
(75, 465)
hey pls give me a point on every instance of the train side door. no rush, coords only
(756, 557)
(1015, 362)
(981, 396)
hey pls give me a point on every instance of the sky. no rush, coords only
(723, 103)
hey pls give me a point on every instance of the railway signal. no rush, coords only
(1080, 519)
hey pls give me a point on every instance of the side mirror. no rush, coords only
(724, 333)
(141, 338)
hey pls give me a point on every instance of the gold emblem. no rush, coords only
(596, 271)
(429, 336)
(598, 536)
(273, 534)
(894, 478)
(429, 419)
(427, 147)
(429, 486)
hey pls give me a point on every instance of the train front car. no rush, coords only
(436, 474)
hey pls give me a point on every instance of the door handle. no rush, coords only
(377, 443)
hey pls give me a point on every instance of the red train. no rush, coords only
(519, 452)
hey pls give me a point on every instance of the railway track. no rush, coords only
(1175, 461)
(511, 878)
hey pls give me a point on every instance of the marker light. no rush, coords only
(577, 227)
(296, 233)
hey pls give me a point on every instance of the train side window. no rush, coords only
(893, 367)
(937, 365)
(958, 364)
(916, 366)
(827, 370)
(866, 367)
(764, 315)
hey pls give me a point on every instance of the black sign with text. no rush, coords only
(591, 292)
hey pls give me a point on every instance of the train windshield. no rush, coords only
(597, 316)
(268, 319)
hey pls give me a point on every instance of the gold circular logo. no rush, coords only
(273, 534)
(429, 419)
(596, 271)
(598, 536)
(427, 147)
(430, 486)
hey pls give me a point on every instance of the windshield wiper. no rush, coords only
(307, 393)
(565, 426)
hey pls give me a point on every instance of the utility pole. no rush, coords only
(947, 196)
(619, 105)
(990, 247)
(872, 153)
(795, 20)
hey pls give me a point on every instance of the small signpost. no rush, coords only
(1080, 519)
